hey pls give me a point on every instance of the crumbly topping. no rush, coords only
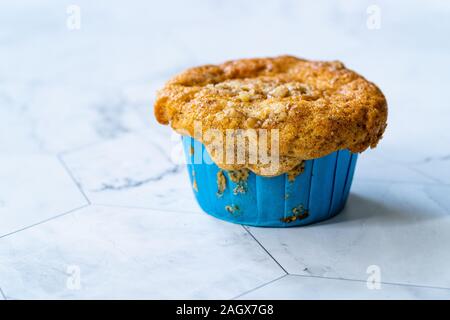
(298, 213)
(298, 169)
(318, 107)
(233, 210)
(221, 183)
(238, 175)
(194, 182)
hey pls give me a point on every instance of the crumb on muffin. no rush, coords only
(318, 107)
(298, 213)
(233, 210)
(194, 181)
(239, 177)
(221, 183)
(297, 170)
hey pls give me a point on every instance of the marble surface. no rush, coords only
(298, 287)
(95, 203)
(128, 253)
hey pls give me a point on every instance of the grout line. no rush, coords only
(43, 221)
(259, 287)
(60, 159)
(364, 281)
(436, 202)
(425, 174)
(2, 294)
(254, 238)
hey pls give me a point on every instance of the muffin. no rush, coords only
(272, 141)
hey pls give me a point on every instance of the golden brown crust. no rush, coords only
(318, 107)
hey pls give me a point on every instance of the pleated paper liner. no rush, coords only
(319, 192)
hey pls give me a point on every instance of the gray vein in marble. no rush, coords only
(110, 125)
(128, 183)
(432, 159)
(99, 115)
(21, 110)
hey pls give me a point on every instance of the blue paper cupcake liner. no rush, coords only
(318, 193)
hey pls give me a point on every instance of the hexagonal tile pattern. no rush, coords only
(311, 288)
(401, 228)
(132, 171)
(105, 252)
(76, 127)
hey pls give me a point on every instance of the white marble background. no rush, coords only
(92, 207)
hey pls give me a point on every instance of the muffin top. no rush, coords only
(317, 107)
